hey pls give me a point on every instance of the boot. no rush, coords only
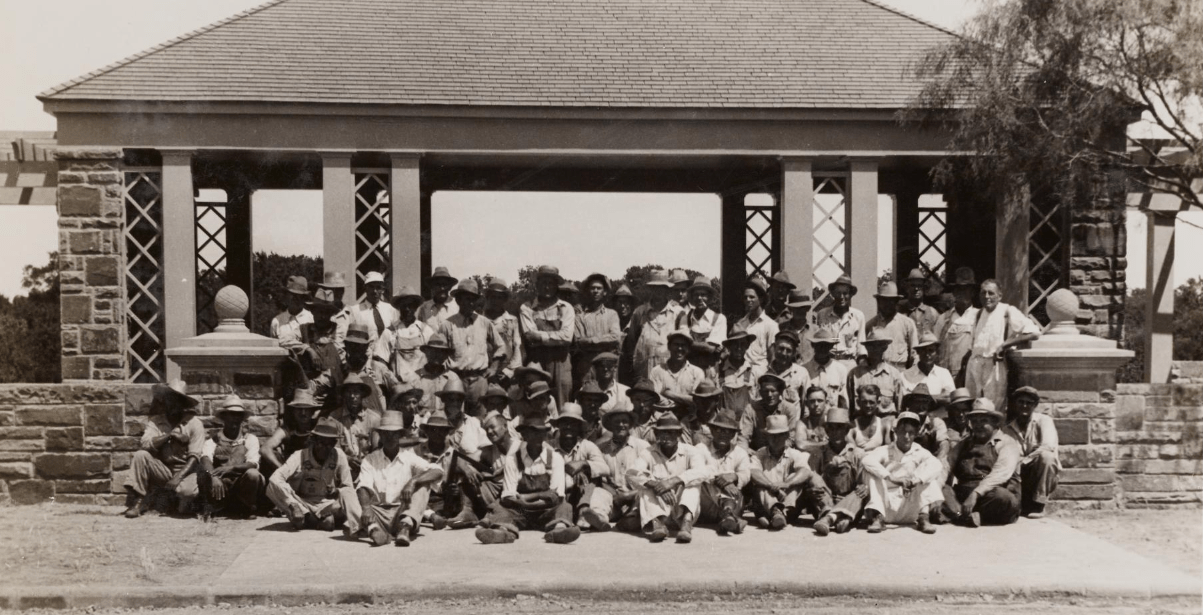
(494, 536)
(562, 534)
(405, 533)
(465, 519)
(877, 524)
(657, 531)
(378, 535)
(594, 521)
(923, 525)
(823, 526)
(685, 532)
(135, 504)
(437, 521)
(842, 525)
(1035, 511)
(777, 523)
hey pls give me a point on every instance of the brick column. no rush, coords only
(91, 223)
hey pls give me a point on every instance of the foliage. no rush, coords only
(1045, 88)
(523, 289)
(271, 272)
(1188, 327)
(30, 335)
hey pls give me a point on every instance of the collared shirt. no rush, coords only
(357, 433)
(991, 329)
(247, 441)
(172, 453)
(885, 376)
(806, 352)
(598, 326)
(904, 334)
(735, 461)
(739, 384)
(401, 345)
(363, 314)
(549, 462)
(796, 380)
(681, 382)
(387, 477)
(849, 329)
(618, 396)
(830, 465)
(956, 337)
(311, 480)
(473, 344)
(650, 334)
(1040, 435)
(711, 327)
(494, 456)
(468, 438)
(432, 383)
(589, 453)
(763, 330)
(752, 423)
(777, 469)
(286, 327)
(686, 463)
(507, 327)
(833, 377)
(341, 321)
(939, 381)
(924, 317)
(887, 461)
(622, 458)
(433, 313)
(552, 325)
(1006, 465)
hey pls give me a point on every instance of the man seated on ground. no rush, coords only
(480, 483)
(467, 436)
(621, 451)
(1037, 437)
(229, 478)
(393, 487)
(314, 486)
(676, 378)
(663, 407)
(782, 481)
(839, 463)
(300, 415)
(584, 468)
(172, 444)
(730, 468)
(407, 398)
(752, 434)
(959, 404)
(437, 431)
(495, 401)
(983, 486)
(532, 495)
(669, 475)
(903, 480)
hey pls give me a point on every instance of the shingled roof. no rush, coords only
(842, 54)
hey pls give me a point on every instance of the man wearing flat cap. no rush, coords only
(984, 482)
(1037, 437)
(596, 330)
(497, 297)
(847, 322)
(669, 475)
(393, 487)
(548, 324)
(903, 480)
(228, 479)
(605, 378)
(314, 487)
(374, 312)
(477, 350)
(171, 447)
(287, 326)
(440, 307)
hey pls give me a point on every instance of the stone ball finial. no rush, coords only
(1062, 306)
(231, 303)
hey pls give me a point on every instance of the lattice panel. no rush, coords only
(758, 249)
(210, 262)
(373, 216)
(933, 235)
(1046, 255)
(144, 276)
(830, 232)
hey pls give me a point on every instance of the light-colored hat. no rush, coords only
(678, 276)
(824, 335)
(333, 279)
(453, 387)
(838, 415)
(357, 333)
(644, 386)
(920, 390)
(878, 335)
(782, 278)
(532, 370)
(498, 285)
(658, 277)
(573, 412)
(373, 277)
(232, 404)
(353, 380)
(441, 273)
(776, 424)
(297, 285)
(798, 298)
(916, 275)
(327, 428)
(392, 421)
(927, 338)
(303, 399)
(538, 388)
(680, 334)
(493, 391)
(438, 418)
(406, 390)
(604, 356)
(984, 407)
(706, 388)
(888, 290)
(175, 391)
(467, 285)
(592, 277)
(960, 395)
(908, 416)
(567, 286)
(624, 292)
(963, 277)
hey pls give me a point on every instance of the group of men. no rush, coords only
(576, 416)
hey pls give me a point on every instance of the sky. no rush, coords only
(100, 33)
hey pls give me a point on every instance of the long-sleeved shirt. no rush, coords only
(903, 333)
(363, 314)
(840, 470)
(710, 327)
(507, 327)
(433, 313)
(647, 337)
(172, 453)
(686, 463)
(589, 453)
(549, 462)
(550, 325)
(849, 329)
(401, 346)
(1040, 436)
(1006, 464)
(752, 423)
(618, 396)
(387, 477)
(778, 469)
(763, 330)
(622, 458)
(888, 461)
(286, 327)
(474, 345)
(357, 432)
(924, 316)
(468, 438)
(735, 461)
(796, 380)
(597, 330)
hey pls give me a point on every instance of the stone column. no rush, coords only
(1011, 246)
(797, 221)
(862, 233)
(179, 252)
(406, 222)
(91, 223)
(338, 219)
(1098, 245)
(1159, 310)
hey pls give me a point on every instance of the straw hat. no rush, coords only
(332, 280)
(441, 274)
(327, 428)
(297, 285)
(175, 392)
(776, 424)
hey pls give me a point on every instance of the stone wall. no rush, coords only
(91, 219)
(1159, 443)
(1086, 429)
(74, 442)
(1098, 245)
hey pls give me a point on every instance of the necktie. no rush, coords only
(379, 319)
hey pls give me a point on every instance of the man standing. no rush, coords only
(374, 312)
(798, 322)
(669, 476)
(477, 351)
(334, 285)
(393, 487)
(596, 328)
(782, 481)
(497, 296)
(229, 475)
(434, 375)
(903, 480)
(1037, 437)
(847, 322)
(824, 371)
(703, 324)
(647, 337)
(680, 286)
(547, 326)
(730, 468)
(925, 371)
(924, 316)
(439, 307)
(955, 327)
(998, 328)
(779, 290)
(983, 486)
(314, 487)
(172, 445)
(878, 372)
(402, 343)
(327, 353)
(756, 323)
(677, 378)
(900, 329)
(288, 325)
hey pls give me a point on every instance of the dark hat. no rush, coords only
(644, 386)
(703, 348)
(702, 283)
(532, 369)
(706, 388)
(608, 418)
(759, 284)
(725, 419)
(962, 277)
(327, 428)
(534, 422)
(297, 285)
(844, 281)
(438, 419)
(467, 285)
(927, 338)
(406, 390)
(332, 280)
(916, 275)
(920, 390)
(737, 336)
(824, 335)
(357, 334)
(798, 298)
(1026, 390)
(441, 273)
(568, 287)
(590, 388)
(406, 295)
(495, 391)
(175, 391)
(774, 378)
(355, 381)
(782, 278)
(436, 342)
(323, 302)
(548, 271)
(596, 277)
(984, 407)
(604, 356)
(538, 388)
(791, 336)
(667, 422)
(887, 290)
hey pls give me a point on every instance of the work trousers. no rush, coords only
(147, 473)
(811, 496)
(717, 504)
(556, 362)
(388, 516)
(671, 505)
(898, 505)
(985, 377)
(998, 506)
(244, 490)
(288, 500)
(513, 520)
(1038, 478)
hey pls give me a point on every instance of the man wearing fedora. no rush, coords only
(704, 404)
(925, 371)
(998, 328)
(680, 288)
(780, 288)
(954, 328)
(497, 297)
(879, 372)
(548, 324)
(331, 288)
(326, 349)
(434, 375)
(533, 492)
(357, 421)
(824, 371)
(669, 475)
(1037, 437)
(229, 478)
(374, 313)
(698, 319)
(481, 482)
(300, 415)
(467, 435)
(371, 373)
(620, 448)
(903, 480)
(847, 321)
(591, 400)
(676, 378)
(477, 350)
(646, 342)
(924, 316)
(730, 467)
(771, 402)
(440, 307)
(984, 482)
(756, 323)
(401, 344)
(738, 376)
(287, 326)
(903, 333)
(314, 487)
(393, 487)
(584, 466)
(784, 365)
(596, 330)
(171, 447)
(796, 319)
(838, 462)
(782, 483)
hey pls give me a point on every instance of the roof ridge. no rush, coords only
(882, 5)
(66, 85)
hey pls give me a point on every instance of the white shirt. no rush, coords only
(917, 462)
(939, 382)
(468, 438)
(387, 477)
(681, 382)
(362, 314)
(955, 332)
(763, 330)
(549, 462)
(248, 440)
(618, 397)
(991, 329)
(287, 328)
(833, 377)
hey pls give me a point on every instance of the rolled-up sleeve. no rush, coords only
(196, 437)
(557, 473)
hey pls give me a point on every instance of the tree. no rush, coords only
(30, 334)
(1045, 88)
(1188, 328)
(271, 273)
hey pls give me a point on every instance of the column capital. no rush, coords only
(864, 165)
(800, 164)
(336, 156)
(176, 156)
(405, 160)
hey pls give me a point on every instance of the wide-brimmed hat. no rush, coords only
(494, 391)
(406, 390)
(706, 388)
(920, 390)
(908, 416)
(658, 277)
(327, 428)
(959, 396)
(702, 283)
(887, 290)
(357, 334)
(878, 335)
(962, 277)
(590, 388)
(773, 378)
(569, 287)
(934, 288)
(678, 276)
(468, 286)
(680, 334)
(737, 336)
(596, 277)
(373, 277)
(782, 278)
(437, 341)
(798, 299)
(332, 280)
(453, 387)
(665, 404)
(532, 369)
(823, 335)
(843, 281)
(725, 419)
(624, 292)
(437, 419)
(644, 386)
(1026, 390)
(406, 295)
(232, 404)
(571, 412)
(916, 275)
(297, 285)
(838, 415)
(303, 399)
(354, 380)
(176, 392)
(497, 285)
(984, 407)
(391, 420)
(534, 422)
(927, 338)
(538, 388)
(323, 302)
(791, 336)
(441, 273)
(667, 422)
(703, 348)
(776, 424)
(608, 417)
(548, 271)
(604, 356)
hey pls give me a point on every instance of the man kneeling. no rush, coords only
(903, 480)
(394, 487)
(532, 495)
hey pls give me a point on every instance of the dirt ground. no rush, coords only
(1173, 536)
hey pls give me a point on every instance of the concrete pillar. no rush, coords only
(1159, 310)
(797, 221)
(862, 233)
(906, 226)
(1011, 248)
(179, 251)
(406, 221)
(338, 219)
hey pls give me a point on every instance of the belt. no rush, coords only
(469, 373)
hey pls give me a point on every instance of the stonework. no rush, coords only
(1097, 262)
(1159, 448)
(91, 263)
